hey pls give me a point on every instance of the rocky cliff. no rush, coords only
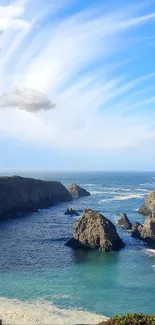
(149, 206)
(21, 195)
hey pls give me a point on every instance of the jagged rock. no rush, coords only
(148, 230)
(21, 195)
(145, 232)
(124, 222)
(136, 230)
(77, 191)
(149, 206)
(71, 212)
(94, 231)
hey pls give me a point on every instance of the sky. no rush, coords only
(77, 85)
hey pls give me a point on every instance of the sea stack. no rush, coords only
(94, 231)
(145, 232)
(76, 191)
(149, 206)
(21, 195)
(124, 222)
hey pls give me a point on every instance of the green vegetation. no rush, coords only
(131, 319)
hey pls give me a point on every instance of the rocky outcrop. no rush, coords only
(136, 230)
(77, 191)
(94, 231)
(21, 195)
(71, 212)
(148, 230)
(124, 222)
(145, 232)
(149, 206)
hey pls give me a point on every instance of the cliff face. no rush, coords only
(149, 206)
(21, 195)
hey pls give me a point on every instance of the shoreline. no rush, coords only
(39, 312)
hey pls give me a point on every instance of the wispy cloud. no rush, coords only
(87, 61)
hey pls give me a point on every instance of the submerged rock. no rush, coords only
(149, 206)
(94, 231)
(124, 222)
(71, 212)
(21, 195)
(77, 191)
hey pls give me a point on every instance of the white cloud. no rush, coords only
(26, 99)
(10, 16)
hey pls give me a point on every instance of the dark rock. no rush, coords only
(136, 230)
(22, 195)
(149, 206)
(94, 231)
(71, 212)
(124, 222)
(77, 191)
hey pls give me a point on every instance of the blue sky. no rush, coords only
(77, 85)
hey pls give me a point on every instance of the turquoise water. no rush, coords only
(35, 263)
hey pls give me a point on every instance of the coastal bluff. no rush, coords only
(23, 195)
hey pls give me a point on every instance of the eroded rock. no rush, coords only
(124, 222)
(94, 231)
(149, 206)
(76, 191)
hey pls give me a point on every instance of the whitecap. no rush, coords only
(150, 252)
(124, 197)
(41, 312)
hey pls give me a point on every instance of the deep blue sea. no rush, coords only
(35, 265)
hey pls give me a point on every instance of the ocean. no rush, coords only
(41, 277)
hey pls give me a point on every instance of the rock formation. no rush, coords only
(71, 212)
(21, 195)
(94, 231)
(124, 222)
(145, 232)
(136, 230)
(149, 206)
(77, 191)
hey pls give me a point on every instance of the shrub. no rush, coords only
(131, 319)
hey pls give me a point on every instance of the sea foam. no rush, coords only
(16, 312)
(124, 197)
(150, 252)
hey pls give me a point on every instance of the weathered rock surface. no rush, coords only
(124, 222)
(136, 230)
(148, 230)
(71, 212)
(77, 191)
(149, 206)
(145, 232)
(94, 231)
(21, 195)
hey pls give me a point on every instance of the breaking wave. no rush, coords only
(124, 197)
(150, 252)
(41, 312)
